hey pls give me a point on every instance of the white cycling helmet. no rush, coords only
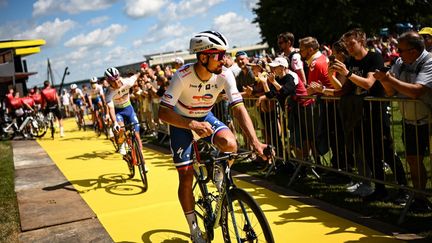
(112, 73)
(208, 40)
(93, 80)
(73, 86)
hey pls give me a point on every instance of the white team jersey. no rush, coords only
(94, 93)
(120, 97)
(191, 97)
(78, 94)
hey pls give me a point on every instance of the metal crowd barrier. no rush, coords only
(314, 137)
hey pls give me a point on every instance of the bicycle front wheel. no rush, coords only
(243, 220)
(140, 163)
(39, 127)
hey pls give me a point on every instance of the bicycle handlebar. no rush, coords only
(232, 156)
(268, 151)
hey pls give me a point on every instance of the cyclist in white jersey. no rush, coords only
(186, 106)
(78, 102)
(96, 99)
(119, 106)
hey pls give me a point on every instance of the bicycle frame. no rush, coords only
(227, 184)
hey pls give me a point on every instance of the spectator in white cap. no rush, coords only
(178, 62)
(282, 86)
(426, 33)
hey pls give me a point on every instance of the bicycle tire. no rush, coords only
(250, 223)
(40, 129)
(130, 165)
(140, 163)
(78, 122)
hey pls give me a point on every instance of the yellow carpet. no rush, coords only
(129, 215)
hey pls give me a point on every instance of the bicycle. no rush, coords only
(34, 125)
(99, 125)
(232, 208)
(134, 156)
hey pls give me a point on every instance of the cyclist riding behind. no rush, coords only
(119, 106)
(186, 106)
(78, 103)
(97, 101)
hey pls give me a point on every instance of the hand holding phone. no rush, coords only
(384, 69)
(332, 59)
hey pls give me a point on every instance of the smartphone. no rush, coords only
(384, 69)
(332, 59)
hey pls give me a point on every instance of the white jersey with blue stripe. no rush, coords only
(95, 92)
(191, 97)
(120, 97)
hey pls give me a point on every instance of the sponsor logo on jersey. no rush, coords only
(205, 97)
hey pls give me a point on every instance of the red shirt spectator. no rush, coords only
(28, 100)
(37, 98)
(318, 70)
(15, 102)
(49, 96)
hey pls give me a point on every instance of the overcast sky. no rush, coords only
(90, 35)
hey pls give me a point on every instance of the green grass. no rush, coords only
(9, 218)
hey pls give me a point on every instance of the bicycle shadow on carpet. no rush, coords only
(103, 154)
(165, 236)
(114, 183)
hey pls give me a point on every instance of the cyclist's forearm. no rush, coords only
(240, 113)
(111, 113)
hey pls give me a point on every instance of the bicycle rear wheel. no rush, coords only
(140, 163)
(243, 220)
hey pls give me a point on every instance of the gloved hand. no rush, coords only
(116, 127)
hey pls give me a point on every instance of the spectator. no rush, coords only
(411, 76)
(147, 108)
(245, 77)
(374, 129)
(328, 121)
(50, 102)
(36, 95)
(178, 62)
(282, 86)
(286, 45)
(152, 87)
(66, 102)
(232, 65)
(426, 33)
(317, 63)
